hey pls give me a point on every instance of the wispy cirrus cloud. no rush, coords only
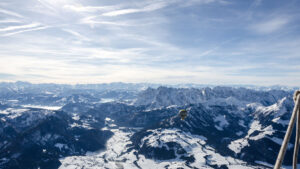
(271, 25)
(10, 21)
(26, 30)
(148, 8)
(10, 13)
(89, 9)
(77, 34)
(96, 20)
(12, 28)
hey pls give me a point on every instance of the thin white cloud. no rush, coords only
(271, 25)
(92, 20)
(122, 12)
(76, 34)
(26, 30)
(90, 9)
(52, 6)
(7, 12)
(12, 28)
(148, 8)
(184, 3)
(10, 21)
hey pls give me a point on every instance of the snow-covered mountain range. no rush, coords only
(123, 125)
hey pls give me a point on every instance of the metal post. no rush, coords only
(287, 135)
(296, 146)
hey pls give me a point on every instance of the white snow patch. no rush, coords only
(14, 101)
(239, 133)
(279, 121)
(4, 112)
(237, 145)
(108, 119)
(106, 100)
(277, 108)
(242, 123)
(117, 155)
(264, 163)
(110, 158)
(13, 113)
(60, 146)
(43, 107)
(222, 122)
(83, 125)
(75, 117)
(171, 106)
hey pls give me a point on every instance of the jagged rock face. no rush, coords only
(251, 133)
(22, 93)
(123, 114)
(42, 143)
(225, 128)
(163, 96)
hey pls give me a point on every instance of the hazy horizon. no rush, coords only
(162, 84)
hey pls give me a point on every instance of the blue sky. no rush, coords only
(155, 41)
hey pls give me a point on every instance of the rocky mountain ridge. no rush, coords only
(226, 127)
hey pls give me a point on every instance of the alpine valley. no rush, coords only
(126, 125)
